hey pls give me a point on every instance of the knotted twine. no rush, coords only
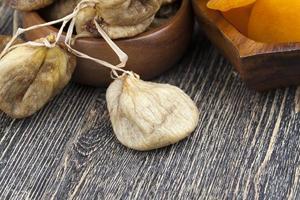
(52, 40)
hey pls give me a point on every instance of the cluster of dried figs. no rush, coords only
(119, 18)
(144, 115)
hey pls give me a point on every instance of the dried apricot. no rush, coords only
(239, 18)
(225, 5)
(275, 21)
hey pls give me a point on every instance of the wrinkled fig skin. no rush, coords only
(84, 20)
(127, 31)
(110, 9)
(147, 115)
(29, 5)
(119, 18)
(115, 32)
(31, 76)
(129, 12)
(85, 24)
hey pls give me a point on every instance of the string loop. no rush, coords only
(52, 40)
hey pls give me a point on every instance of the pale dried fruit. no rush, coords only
(31, 76)
(119, 18)
(28, 5)
(127, 12)
(148, 115)
(85, 24)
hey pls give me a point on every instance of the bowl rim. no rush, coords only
(241, 42)
(181, 12)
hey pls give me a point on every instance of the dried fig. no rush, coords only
(128, 12)
(31, 76)
(84, 24)
(119, 18)
(147, 115)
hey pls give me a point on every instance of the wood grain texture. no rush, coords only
(246, 146)
(262, 66)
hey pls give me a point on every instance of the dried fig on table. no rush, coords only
(29, 5)
(31, 76)
(147, 115)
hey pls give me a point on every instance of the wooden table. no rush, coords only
(246, 146)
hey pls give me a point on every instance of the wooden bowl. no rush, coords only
(261, 66)
(150, 53)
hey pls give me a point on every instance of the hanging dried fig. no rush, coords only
(119, 18)
(31, 76)
(128, 12)
(84, 24)
(148, 115)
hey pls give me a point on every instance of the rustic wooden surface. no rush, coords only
(246, 146)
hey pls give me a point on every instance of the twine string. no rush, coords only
(49, 42)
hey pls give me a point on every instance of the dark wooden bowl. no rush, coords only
(150, 53)
(261, 66)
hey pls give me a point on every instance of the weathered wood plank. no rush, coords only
(246, 146)
(35, 150)
(5, 19)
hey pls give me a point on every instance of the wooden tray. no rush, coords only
(261, 66)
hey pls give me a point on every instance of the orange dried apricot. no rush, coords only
(239, 18)
(275, 21)
(225, 5)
